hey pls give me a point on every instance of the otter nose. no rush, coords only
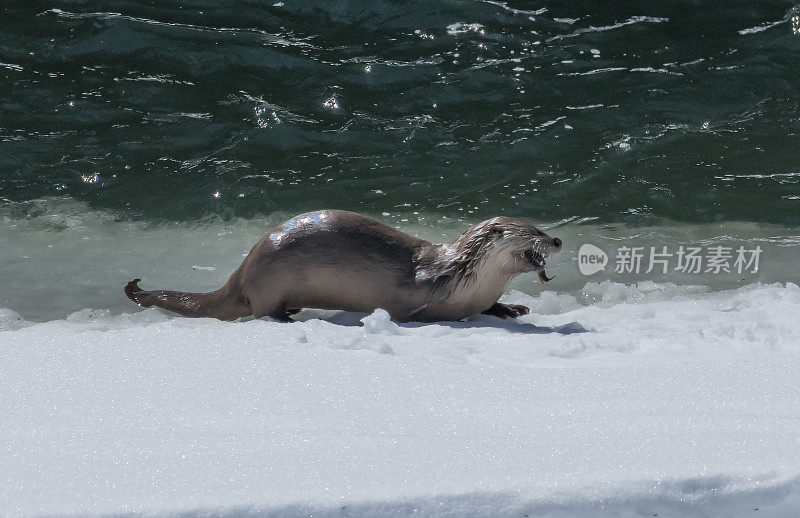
(556, 242)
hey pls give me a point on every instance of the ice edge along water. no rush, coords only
(58, 255)
(655, 399)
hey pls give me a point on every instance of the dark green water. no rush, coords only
(624, 111)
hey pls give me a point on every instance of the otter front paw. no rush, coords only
(507, 310)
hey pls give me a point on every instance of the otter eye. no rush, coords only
(528, 255)
(495, 232)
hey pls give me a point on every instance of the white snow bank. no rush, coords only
(621, 401)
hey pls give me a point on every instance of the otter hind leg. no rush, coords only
(506, 310)
(281, 315)
(275, 311)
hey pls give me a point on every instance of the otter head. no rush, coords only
(517, 246)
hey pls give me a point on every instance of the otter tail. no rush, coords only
(214, 304)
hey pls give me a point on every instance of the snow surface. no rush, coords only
(623, 400)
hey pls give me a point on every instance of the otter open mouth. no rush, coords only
(537, 261)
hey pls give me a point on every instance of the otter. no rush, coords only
(334, 259)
